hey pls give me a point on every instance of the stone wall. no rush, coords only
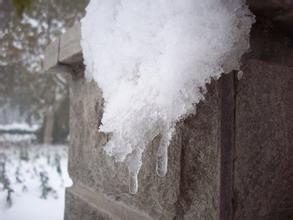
(233, 159)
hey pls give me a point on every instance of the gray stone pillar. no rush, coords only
(230, 160)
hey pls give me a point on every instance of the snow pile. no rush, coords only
(151, 59)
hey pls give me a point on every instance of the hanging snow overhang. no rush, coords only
(65, 54)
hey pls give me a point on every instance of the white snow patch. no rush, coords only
(21, 170)
(34, 23)
(19, 126)
(16, 138)
(151, 59)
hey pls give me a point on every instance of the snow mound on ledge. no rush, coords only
(151, 59)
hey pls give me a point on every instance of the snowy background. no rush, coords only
(33, 178)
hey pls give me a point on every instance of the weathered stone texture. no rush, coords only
(96, 206)
(93, 168)
(263, 167)
(77, 209)
(264, 161)
(199, 177)
(160, 198)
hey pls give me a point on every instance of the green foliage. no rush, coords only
(21, 5)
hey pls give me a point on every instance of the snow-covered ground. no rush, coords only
(17, 138)
(19, 126)
(32, 181)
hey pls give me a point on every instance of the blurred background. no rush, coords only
(34, 109)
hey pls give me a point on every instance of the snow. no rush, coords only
(33, 208)
(152, 60)
(17, 138)
(19, 126)
(24, 167)
(29, 20)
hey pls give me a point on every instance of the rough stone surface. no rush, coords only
(263, 168)
(92, 167)
(270, 44)
(103, 207)
(264, 161)
(199, 177)
(77, 209)
(191, 188)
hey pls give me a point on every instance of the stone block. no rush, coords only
(70, 48)
(51, 56)
(90, 165)
(191, 186)
(263, 179)
(77, 209)
(83, 203)
(270, 8)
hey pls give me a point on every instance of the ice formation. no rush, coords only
(152, 60)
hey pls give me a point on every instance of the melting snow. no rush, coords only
(151, 59)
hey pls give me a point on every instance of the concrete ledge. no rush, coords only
(51, 56)
(70, 49)
(77, 209)
(59, 68)
(65, 50)
(106, 207)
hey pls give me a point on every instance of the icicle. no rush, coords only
(239, 74)
(162, 160)
(162, 155)
(133, 182)
(134, 164)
